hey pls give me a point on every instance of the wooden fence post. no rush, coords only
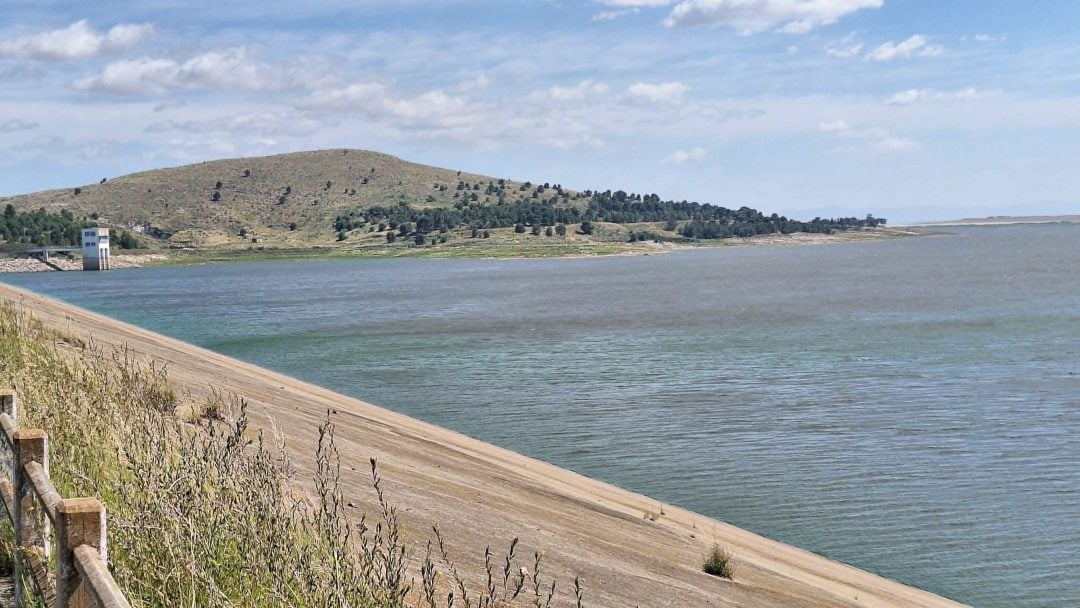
(9, 403)
(80, 521)
(30, 445)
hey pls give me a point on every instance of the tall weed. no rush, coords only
(204, 512)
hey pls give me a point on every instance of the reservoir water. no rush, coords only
(910, 406)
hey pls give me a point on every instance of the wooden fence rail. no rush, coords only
(41, 518)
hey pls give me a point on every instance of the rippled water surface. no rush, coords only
(911, 406)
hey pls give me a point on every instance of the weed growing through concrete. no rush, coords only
(718, 562)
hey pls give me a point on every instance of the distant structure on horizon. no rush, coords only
(95, 248)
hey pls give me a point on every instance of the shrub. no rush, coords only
(718, 562)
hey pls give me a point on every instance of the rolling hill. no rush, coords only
(356, 200)
(283, 200)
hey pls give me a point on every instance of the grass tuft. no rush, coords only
(718, 562)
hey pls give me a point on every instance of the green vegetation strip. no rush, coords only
(549, 210)
(41, 228)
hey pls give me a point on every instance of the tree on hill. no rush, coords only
(127, 241)
(43, 228)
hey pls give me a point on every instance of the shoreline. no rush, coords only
(29, 264)
(482, 494)
(1002, 220)
(568, 250)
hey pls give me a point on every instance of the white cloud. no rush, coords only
(875, 138)
(915, 45)
(566, 136)
(662, 93)
(749, 16)
(214, 70)
(76, 41)
(268, 123)
(346, 98)
(474, 84)
(987, 38)
(563, 117)
(194, 149)
(432, 110)
(15, 124)
(838, 126)
(613, 15)
(170, 105)
(911, 96)
(44, 144)
(635, 3)
(681, 157)
(582, 90)
(906, 98)
(98, 150)
(844, 48)
(890, 143)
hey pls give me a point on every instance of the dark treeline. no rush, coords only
(44, 229)
(690, 220)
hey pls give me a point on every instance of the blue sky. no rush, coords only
(911, 110)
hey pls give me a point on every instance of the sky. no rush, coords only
(912, 110)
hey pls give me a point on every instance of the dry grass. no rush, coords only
(180, 200)
(203, 512)
(718, 562)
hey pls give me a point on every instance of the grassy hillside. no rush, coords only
(286, 200)
(358, 201)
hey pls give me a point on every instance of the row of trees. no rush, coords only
(44, 229)
(690, 220)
